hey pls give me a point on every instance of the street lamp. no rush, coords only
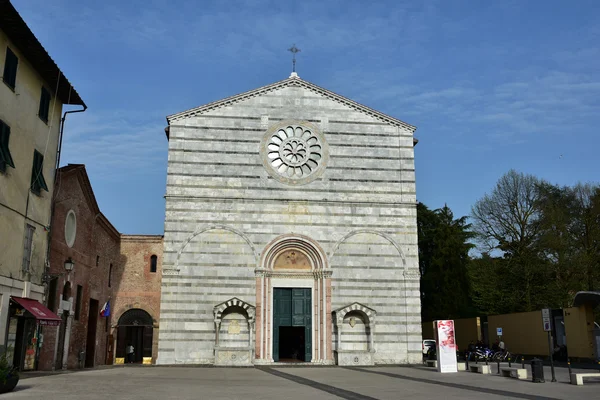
(69, 265)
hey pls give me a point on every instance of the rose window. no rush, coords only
(294, 152)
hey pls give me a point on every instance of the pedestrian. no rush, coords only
(501, 345)
(129, 350)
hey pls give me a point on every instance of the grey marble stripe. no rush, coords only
(324, 192)
(257, 232)
(204, 284)
(217, 140)
(237, 176)
(284, 223)
(179, 277)
(354, 157)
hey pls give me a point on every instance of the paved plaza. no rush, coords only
(291, 383)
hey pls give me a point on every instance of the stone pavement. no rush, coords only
(291, 383)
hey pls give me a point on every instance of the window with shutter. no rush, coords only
(10, 69)
(5, 157)
(27, 247)
(37, 176)
(44, 105)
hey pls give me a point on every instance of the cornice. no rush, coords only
(291, 82)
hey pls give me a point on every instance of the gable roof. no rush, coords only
(19, 33)
(88, 192)
(292, 81)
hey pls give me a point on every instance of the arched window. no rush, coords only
(153, 261)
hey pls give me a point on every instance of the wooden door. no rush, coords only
(292, 307)
(301, 316)
(147, 342)
(90, 346)
(110, 349)
(282, 315)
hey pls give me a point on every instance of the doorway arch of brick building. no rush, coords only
(135, 328)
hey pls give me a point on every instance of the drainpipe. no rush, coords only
(52, 209)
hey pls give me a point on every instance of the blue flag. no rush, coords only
(105, 311)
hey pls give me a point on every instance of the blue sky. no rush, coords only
(489, 85)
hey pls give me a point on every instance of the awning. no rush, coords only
(38, 310)
(582, 298)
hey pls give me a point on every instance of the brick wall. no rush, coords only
(138, 287)
(95, 239)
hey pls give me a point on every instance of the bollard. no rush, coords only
(569, 365)
(537, 371)
(467, 361)
(477, 359)
(523, 363)
(509, 366)
(498, 361)
(486, 361)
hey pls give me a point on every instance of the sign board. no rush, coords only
(546, 320)
(499, 331)
(446, 346)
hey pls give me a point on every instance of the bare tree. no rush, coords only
(506, 219)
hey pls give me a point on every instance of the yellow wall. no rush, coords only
(522, 333)
(579, 326)
(19, 109)
(465, 329)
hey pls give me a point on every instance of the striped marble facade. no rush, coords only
(228, 219)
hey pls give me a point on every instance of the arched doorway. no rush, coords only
(135, 328)
(295, 312)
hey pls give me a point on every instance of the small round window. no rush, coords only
(70, 228)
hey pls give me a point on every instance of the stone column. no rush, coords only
(251, 338)
(65, 349)
(340, 325)
(317, 349)
(324, 297)
(372, 336)
(217, 329)
(56, 340)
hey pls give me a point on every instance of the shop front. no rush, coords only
(23, 337)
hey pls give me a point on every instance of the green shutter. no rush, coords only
(5, 157)
(37, 174)
(10, 68)
(44, 104)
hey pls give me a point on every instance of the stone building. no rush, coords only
(290, 232)
(33, 91)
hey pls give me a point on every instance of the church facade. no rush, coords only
(290, 232)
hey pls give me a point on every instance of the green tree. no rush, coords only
(443, 258)
(491, 292)
(570, 238)
(540, 244)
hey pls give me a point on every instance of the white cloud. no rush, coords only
(107, 144)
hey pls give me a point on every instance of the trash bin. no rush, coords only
(537, 371)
